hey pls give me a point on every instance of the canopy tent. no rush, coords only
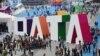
(5, 9)
(97, 1)
(78, 8)
(88, 0)
(5, 18)
(62, 12)
(57, 2)
(14, 3)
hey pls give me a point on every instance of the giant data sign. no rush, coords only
(70, 28)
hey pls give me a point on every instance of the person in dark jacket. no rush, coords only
(1, 47)
(99, 52)
(68, 52)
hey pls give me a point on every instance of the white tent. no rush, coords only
(9, 20)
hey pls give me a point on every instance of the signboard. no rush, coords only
(70, 28)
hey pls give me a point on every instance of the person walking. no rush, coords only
(44, 54)
(65, 49)
(68, 52)
(1, 47)
(80, 48)
(89, 47)
(99, 51)
(94, 43)
(94, 52)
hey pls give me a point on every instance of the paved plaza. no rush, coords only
(48, 52)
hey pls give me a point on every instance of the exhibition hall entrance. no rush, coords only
(3, 27)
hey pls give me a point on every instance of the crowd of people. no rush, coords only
(48, 10)
(23, 43)
(78, 50)
(27, 43)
